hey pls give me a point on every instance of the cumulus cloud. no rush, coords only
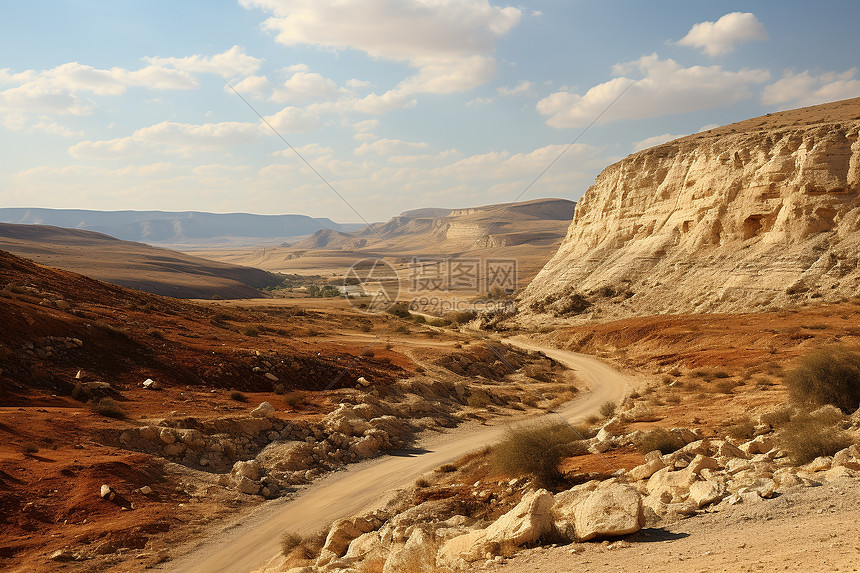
(524, 88)
(450, 42)
(388, 147)
(666, 88)
(722, 36)
(169, 136)
(231, 63)
(655, 140)
(805, 88)
(306, 86)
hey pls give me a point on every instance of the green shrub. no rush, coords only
(107, 407)
(607, 409)
(536, 450)
(807, 437)
(659, 439)
(828, 375)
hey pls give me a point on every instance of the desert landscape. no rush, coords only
(524, 325)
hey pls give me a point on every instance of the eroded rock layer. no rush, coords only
(748, 216)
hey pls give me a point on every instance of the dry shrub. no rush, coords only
(107, 407)
(659, 439)
(536, 450)
(238, 396)
(828, 375)
(607, 409)
(743, 429)
(725, 386)
(808, 436)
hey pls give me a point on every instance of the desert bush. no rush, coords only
(607, 409)
(722, 374)
(447, 468)
(107, 407)
(634, 394)
(293, 399)
(659, 439)
(807, 437)
(776, 418)
(238, 396)
(439, 322)
(673, 399)
(675, 372)
(155, 333)
(742, 429)
(82, 393)
(460, 316)
(402, 329)
(536, 450)
(289, 542)
(828, 375)
(400, 310)
(725, 386)
(30, 448)
(250, 330)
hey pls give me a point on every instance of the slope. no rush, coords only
(133, 265)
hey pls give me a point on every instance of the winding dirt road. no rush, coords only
(248, 545)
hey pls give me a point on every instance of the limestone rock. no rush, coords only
(264, 410)
(340, 535)
(776, 197)
(418, 555)
(609, 512)
(107, 492)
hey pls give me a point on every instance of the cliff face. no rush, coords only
(748, 216)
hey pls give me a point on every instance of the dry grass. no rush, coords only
(536, 450)
(659, 439)
(828, 375)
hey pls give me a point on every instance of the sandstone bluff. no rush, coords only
(750, 216)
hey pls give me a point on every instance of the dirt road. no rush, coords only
(248, 545)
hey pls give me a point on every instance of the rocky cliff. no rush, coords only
(751, 215)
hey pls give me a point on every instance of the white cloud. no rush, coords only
(666, 88)
(805, 88)
(388, 147)
(480, 101)
(305, 86)
(231, 63)
(721, 37)
(708, 127)
(169, 136)
(293, 120)
(257, 86)
(524, 88)
(655, 140)
(366, 125)
(450, 42)
(55, 129)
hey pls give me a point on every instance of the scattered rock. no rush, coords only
(107, 492)
(609, 512)
(264, 410)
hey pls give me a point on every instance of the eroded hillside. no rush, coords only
(750, 216)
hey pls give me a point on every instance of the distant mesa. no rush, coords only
(168, 228)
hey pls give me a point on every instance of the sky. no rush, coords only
(358, 110)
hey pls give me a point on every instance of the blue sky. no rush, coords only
(399, 104)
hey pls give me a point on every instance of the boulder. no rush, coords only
(249, 469)
(151, 384)
(107, 492)
(246, 486)
(700, 463)
(340, 535)
(418, 555)
(670, 485)
(526, 523)
(609, 512)
(530, 519)
(264, 410)
(706, 492)
(759, 445)
(847, 458)
(646, 470)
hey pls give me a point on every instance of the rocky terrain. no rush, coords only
(134, 265)
(131, 422)
(445, 523)
(753, 215)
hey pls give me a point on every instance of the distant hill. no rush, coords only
(175, 228)
(529, 231)
(135, 265)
